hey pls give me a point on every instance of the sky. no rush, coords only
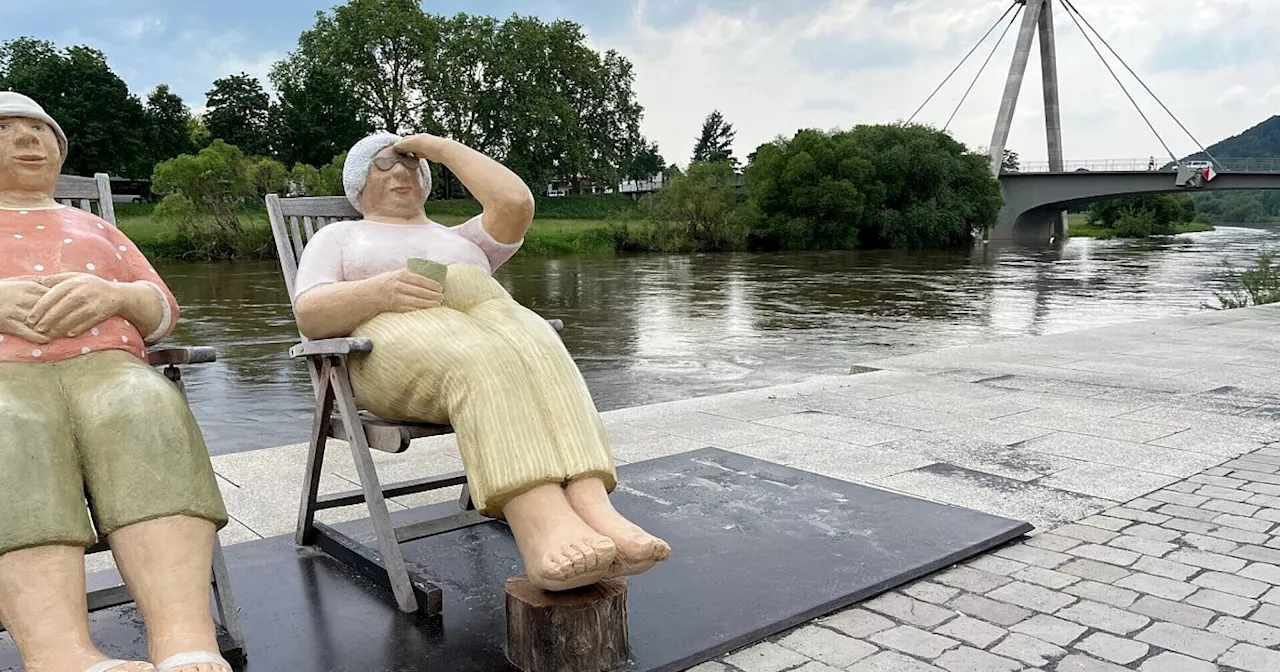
(774, 67)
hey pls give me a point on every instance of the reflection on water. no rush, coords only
(656, 328)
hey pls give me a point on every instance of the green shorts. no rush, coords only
(102, 435)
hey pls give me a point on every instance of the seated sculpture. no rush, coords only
(83, 416)
(464, 352)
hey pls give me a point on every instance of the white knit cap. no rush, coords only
(14, 104)
(355, 171)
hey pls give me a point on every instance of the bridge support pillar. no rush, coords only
(1013, 85)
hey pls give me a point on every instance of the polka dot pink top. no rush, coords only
(43, 242)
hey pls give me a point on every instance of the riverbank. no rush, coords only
(563, 226)
(1078, 226)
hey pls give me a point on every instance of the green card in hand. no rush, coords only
(430, 269)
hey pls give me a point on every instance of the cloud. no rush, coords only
(213, 56)
(837, 63)
(136, 28)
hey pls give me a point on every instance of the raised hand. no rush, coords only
(73, 303)
(422, 145)
(18, 296)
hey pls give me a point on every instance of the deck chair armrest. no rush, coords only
(346, 346)
(178, 355)
(331, 346)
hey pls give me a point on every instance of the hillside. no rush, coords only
(1253, 207)
(1260, 141)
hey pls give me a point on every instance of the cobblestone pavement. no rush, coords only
(1186, 578)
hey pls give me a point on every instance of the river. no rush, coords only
(654, 328)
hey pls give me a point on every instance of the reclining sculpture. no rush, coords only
(83, 416)
(452, 346)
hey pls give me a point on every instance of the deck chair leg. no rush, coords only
(305, 534)
(392, 558)
(464, 501)
(225, 600)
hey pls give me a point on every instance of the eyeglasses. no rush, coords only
(384, 164)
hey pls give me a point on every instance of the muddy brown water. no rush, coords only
(662, 327)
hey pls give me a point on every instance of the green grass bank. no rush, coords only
(1078, 227)
(584, 225)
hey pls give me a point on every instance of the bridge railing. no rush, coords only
(1259, 165)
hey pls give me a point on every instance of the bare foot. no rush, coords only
(638, 551)
(560, 551)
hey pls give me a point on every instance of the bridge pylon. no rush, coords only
(1037, 17)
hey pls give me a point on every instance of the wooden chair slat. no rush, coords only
(295, 235)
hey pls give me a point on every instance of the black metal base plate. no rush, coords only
(757, 548)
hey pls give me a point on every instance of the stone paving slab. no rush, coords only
(1146, 454)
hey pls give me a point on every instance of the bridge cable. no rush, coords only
(1012, 19)
(1072, 8)
(1016, 5)
(1068, 6)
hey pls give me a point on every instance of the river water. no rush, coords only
(654, 328)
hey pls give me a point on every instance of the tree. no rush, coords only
(204, 197)
(698, 211)
(647, 163)
(104, 123)
(168, 123)
(716, 141)
(530, 93)
(238, 113)
(535, 96)
(316, 117)
(1142, 216)
(198, 133)
(1010, 162)
(875, 186)
(381, 51)
(267, 176)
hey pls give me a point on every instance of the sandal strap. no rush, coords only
(192, 658)
(107, 665)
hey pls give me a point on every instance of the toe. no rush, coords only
(605, 549)
(582, 556)
(576, 554)
(555, 566)
(590, 560)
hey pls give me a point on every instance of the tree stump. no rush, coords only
(580, 630)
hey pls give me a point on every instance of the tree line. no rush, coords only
(527, 92)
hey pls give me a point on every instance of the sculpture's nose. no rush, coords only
(25, 135)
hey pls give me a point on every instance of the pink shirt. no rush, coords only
(44, 242)
(356, 250)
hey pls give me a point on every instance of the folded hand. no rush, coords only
(18, 296)
(72, 304)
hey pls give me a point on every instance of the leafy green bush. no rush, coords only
(876, 186)
(698, 211)
(1253, 286)
(1142, 216)
(204, 197)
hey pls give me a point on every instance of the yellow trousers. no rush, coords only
(500, 375)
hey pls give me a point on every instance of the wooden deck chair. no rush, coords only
(87, 193)
(293, 223)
